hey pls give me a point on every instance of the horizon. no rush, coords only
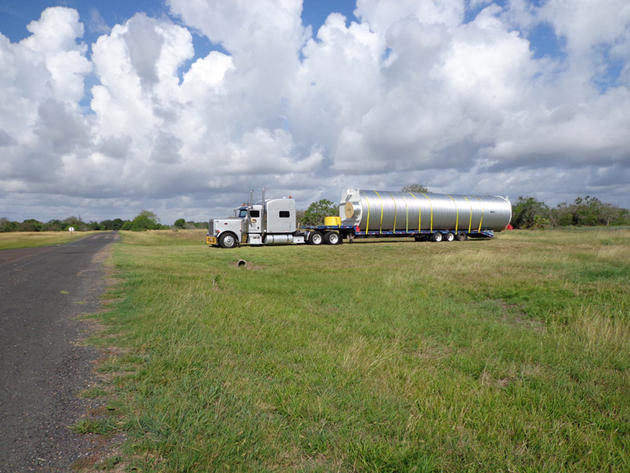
(178, 108)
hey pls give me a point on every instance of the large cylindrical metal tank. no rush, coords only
(382, 211)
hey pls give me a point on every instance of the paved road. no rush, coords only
(42, 369)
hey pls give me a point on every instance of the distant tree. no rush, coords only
(7, 225)
(622, 218)
(180, 223)
(54, 225)
(541, 221)
(30, 225)
(191, 225)
(561, 215)
(588, 211)
(315, 213)
(75, 222)
(117, 223)
(528, 212)
(145, 220)
(415, 188)
(299, 216)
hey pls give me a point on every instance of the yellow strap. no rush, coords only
(395, 212)
(470, 219)
(367, 224)
(419, 212)
(481, 219)
(431, 204)
(456, 213)
(380, 227)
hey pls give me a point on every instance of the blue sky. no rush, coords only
(16, 14)
(464, 96)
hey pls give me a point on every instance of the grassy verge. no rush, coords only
(12, 240)
(388, 356)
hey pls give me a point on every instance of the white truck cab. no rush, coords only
(268, 222)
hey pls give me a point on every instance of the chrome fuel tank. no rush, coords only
(412, 211)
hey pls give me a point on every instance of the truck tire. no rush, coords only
(316, 238)
(449, 237)
(332, 238)
(227, 240)
(437, 237)
(461, 236)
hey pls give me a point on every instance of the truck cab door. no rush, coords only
(254, 219)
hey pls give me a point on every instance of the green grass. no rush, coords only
(101, 426)
(378, 356)
(11, 240)
(92, 393)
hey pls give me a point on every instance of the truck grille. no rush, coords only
(211, 227)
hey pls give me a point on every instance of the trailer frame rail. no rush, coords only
(356, 232)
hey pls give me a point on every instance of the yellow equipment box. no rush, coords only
(332, 221)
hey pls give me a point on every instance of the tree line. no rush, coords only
(528, 212)
(145, 220)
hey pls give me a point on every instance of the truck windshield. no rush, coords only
(242, 213)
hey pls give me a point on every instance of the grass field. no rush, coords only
(508, 355)
(12, 240)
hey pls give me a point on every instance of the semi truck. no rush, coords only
(365, 214)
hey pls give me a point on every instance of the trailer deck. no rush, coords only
(356, 232)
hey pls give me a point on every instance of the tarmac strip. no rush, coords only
(42, 368)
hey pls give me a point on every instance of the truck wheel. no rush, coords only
(332, 238)
(461, 236)
(436, 237)
(316, 238)
(449, 237)
(227, 240)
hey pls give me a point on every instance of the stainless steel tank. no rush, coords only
(412, 211)
(278, 239)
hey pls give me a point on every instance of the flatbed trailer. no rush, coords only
(351, 232)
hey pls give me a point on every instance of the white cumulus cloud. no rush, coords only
(448, 93)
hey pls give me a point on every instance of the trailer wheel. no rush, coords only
(332, 238)
(227, 240)
(436, 237)
(449, 237)
(461, 236)
(316, 238)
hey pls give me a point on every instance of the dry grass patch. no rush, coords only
(12, 240)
